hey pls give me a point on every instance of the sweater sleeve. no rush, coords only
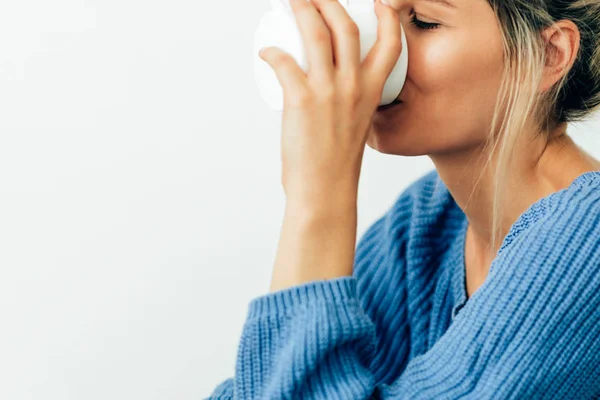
(532, 330)
(223, 391)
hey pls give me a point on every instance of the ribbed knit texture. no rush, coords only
(402, 327)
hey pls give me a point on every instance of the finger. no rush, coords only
(344, 33)
(289, 74)
(383, 56)
(316, 39)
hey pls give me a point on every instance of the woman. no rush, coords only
(483, 279)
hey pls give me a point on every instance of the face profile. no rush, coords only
(456, 63)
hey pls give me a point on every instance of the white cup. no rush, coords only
(278, 28)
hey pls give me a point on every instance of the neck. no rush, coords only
(538, 168)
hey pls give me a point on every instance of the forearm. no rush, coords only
(315, 244)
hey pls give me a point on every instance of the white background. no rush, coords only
(140, 197)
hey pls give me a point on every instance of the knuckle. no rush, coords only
(351, 29)
(321, 36)
(281, 59)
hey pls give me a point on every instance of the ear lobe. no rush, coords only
(562, 46)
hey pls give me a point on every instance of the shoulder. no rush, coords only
(541, 296)
(553, 250)
(569, 219)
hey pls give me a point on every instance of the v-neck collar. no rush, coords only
(458, 278)
(459, 284)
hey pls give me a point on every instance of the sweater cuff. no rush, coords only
(281, 302)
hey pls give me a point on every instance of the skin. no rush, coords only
(330, 115)
(326, 119)
(453, 79)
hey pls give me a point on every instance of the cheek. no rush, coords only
(432, 65)
(450, 93)
(455, 65)
(454, 79)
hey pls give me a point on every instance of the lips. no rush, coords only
(392, 104)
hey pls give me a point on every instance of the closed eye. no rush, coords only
(422, 24)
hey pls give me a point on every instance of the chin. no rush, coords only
(398, 142)
(392, 134)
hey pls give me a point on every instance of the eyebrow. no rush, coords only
(442, 2)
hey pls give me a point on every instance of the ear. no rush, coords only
(562, 46)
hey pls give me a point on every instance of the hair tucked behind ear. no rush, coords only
(574, 97)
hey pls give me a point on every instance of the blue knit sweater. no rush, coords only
(402, 326)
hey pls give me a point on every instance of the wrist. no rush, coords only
(314, 246)
(323, 205)
(321, 214)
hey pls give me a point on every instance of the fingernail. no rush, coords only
(385, 2)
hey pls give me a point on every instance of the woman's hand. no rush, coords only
(328, 110)
(326, 120)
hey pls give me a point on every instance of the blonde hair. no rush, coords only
(574, 97)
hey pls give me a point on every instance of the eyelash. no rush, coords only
(423, 25)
